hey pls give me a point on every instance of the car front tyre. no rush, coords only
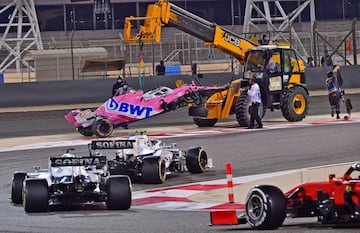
(196, 160)
(17, 187)
(265, 207)
(85, 131)
(102, 128)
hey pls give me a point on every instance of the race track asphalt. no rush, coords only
(251, 152)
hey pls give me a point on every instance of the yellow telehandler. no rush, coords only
(283, 87)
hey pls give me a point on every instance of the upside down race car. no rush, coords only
(70, 180)
(149, 160)
(336, 201)
(123, 109)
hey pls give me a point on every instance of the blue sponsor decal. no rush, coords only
(129, 109)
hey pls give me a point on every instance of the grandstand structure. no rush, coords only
(72, 24)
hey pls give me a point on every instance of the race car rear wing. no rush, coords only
(98, 161)
(112, 144)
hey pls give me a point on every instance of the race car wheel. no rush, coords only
(87, 131)
(196, 160)
(118, 192)
(295, 104)
(17, 187)
(200, 122)
(35, 196)
(102, 128)
(153, 170)
(265, 207)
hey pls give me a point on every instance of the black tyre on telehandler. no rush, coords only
(295, 104)
(242, 111)
(201, 122)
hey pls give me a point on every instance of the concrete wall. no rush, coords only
(98, 90)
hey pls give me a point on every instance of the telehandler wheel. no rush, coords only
(265, 207)
(295, 104)
(242, 110)
(102, 128)
(200, 122)
(87, 131)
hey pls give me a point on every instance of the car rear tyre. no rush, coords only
(265, 207)
(153, 170)
(102, 128)
(87, 131)
(17, 187)
(35, 196)
(118, 193)
(196, 160)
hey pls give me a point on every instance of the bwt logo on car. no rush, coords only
(75, 161)
(119, 144)
(129, 109)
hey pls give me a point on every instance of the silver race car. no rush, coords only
(69, 180)
(149, 160)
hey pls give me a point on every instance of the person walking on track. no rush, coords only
(334, 82)
(255, 100)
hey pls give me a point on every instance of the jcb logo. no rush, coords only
(231, 39)
(144, 35)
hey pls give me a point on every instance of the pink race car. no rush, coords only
(121, 110)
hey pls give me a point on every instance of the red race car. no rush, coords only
(336, 201)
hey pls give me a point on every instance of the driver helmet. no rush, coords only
(68, 155)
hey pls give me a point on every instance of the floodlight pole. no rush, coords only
(257, 12)
(23, 20)
(71, 44)
(72, 54)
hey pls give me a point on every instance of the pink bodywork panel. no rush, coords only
(132, 107)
